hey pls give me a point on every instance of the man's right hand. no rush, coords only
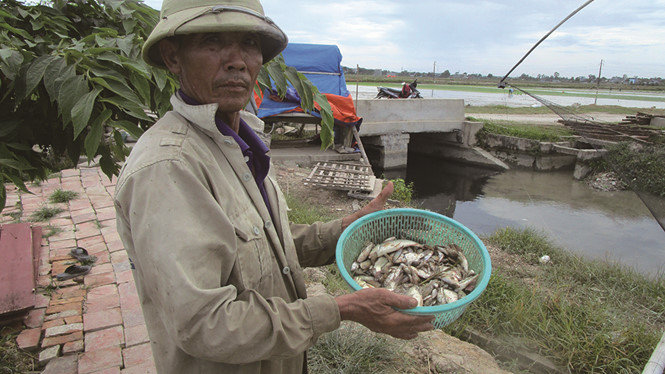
(374, 308)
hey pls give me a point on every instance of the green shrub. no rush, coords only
(403, 191)
(62, 196)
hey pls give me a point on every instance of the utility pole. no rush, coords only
(600, 71)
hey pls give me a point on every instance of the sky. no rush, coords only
(482, 36)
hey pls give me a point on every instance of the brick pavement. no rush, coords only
(93, 325)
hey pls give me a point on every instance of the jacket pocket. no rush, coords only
(251, 259)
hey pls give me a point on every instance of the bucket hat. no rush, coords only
(181, 17)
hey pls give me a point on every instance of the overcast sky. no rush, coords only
(482, 36)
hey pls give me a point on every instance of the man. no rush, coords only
(217, 265)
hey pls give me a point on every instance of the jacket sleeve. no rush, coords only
(316, 243)
(186, 258)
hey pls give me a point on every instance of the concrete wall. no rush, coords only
(385, 116)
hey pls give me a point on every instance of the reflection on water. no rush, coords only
(599, 225)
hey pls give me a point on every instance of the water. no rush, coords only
(599, 225)
(503, 98)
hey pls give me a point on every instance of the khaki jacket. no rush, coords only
(220, 283)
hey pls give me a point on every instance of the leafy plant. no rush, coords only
(62, 196)
(403, 191)
(69, 73)
(45, 213)
(73, 82)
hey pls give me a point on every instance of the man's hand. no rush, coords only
(374, 308)
(376, 204)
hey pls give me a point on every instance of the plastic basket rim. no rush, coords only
(435, 309)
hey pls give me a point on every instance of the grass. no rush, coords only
(302, 212)
(588, 316)
(642, 169)
(45, 213)
(14, 360)
(581, 109)
(51, 230)
(541, 133)
(354, 349)
(62, 196)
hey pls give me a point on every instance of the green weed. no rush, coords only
(14, 360)
(45, 213)
(62, 196)
(354, 349)
(403, 191)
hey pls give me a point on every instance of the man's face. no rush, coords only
(216, 67)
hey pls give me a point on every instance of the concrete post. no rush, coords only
(389, 150)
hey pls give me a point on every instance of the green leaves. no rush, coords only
(67, 72)
(282, 75)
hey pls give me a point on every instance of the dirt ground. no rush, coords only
(546, 119)
(437, 351)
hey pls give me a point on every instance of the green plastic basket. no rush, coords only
(424, 227)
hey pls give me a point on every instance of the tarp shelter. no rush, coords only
(321, 64)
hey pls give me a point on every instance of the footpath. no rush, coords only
(93, 323)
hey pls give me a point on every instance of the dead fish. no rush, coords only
(394, 245)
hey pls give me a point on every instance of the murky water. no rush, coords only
(599, 225)
(503, 98)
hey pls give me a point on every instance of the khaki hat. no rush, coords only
(181, 17)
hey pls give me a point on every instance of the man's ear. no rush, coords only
(168, 49)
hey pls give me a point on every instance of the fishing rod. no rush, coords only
(502, 83)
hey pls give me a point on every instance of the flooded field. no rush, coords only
(503, 97)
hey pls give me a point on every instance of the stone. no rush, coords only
(48, 354)
(92, 362)
(64, 329)
(62, 365)
(73, 347)
(28, 339)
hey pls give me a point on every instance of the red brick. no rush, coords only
(67, 244)
(69, 300)
(28, 339)
(103, 291)
(132, 317)
(136, 335)
(119, 257)
(124, 276)
(141, 369)
(103, 319)
(53, 323)
(87, 242)
(137, 355)
(102, 303)
(113, 370)
(41, 301)
(115, 245)
(65, 292)
(100, 339)
(96, 280)
(62, 307)
(95, 361)
(73, 347)
(101, 269)
(35, 318)
(61, 339)
(62, 365)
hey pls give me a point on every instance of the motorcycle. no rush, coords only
(408, 91)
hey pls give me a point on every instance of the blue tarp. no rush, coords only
(320, 63)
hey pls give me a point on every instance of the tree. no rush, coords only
(72, 82)
(446, 74)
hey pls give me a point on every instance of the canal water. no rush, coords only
(613, 226)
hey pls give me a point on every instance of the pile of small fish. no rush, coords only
(433, 275)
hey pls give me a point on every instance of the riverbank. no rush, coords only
(582, 315)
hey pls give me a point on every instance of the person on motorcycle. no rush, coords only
(406, 90)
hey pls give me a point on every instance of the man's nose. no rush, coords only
(234, 57)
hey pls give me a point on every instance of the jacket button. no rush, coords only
(228, 141)
(247, 177)
(268, 224)
(256, 230)
(246, 158)
(286, 270)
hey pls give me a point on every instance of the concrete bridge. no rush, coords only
(433, 127)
